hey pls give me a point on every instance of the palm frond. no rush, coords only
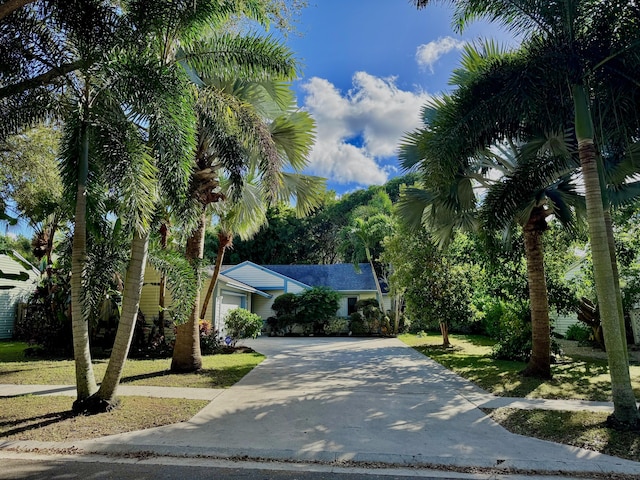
(182, 281)
(294, 136)
(250, 57)
(307, 190)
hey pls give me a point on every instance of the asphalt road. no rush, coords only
(182, 469)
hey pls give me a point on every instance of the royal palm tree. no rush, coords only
(520, 186)
(362, 236)
(172, 36)
(594, 47)
(263, 135)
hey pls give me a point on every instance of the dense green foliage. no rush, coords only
(368, 318)
(435, 290)
(314, 239)
(311, 310)
(241, 324)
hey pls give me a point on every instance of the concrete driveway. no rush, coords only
(355, 399)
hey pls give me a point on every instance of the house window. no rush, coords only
(351, 304)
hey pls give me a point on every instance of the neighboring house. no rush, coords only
(18, 279)
(352, 283)
(255, 287)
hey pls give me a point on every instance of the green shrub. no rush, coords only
(578, 332)
(242, 323)
(209, 341)
(286, 304)
(515, 342)
(357, 324)
(317, 306)
(337, 326)
(370, 310)
(513, 330)
(47, 322)
(493, 312)
(310, 310)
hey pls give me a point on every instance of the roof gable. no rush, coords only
(261, 277)
(16, 271)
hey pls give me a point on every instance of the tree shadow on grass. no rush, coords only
(144, 376)
(573, 378)
(581, 429)
(34, 423)
(203, 378)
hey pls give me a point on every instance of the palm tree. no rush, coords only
(521, 185)
(362, 236)
(244, 218)
(531, 193)
(594, 47)
(179, 54)
(262, 134)
(65, 40)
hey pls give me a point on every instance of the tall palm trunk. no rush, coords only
(186, 352)
(224, 240)
(616, 277)
(540, 362)
(625, 410)
(163, 282)
(105, 399)
(375, 277)
(85, 378)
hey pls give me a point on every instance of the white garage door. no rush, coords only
(228, 303)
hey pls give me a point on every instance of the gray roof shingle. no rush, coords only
(339, 276)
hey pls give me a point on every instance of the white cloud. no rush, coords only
(428, 54)
(374, 111)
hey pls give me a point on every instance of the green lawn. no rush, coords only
(49, 419)
(578, 378)
(580, 429)
(32, 417)
(218, 371)
(584, 379)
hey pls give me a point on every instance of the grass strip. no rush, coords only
(218, 371)
(49, 419)
(469, 357)
(580, 429)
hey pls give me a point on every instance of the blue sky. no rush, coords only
(368, 67)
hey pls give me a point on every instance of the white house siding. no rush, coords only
(9, 300)
(562, 322)
(256, 277)
(344, 306)
(342, 310)
(262, 306)
(293, 288)
(387, 301)
(13, 292)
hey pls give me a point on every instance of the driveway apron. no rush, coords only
(355, 399)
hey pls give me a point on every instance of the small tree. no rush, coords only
(242, 324)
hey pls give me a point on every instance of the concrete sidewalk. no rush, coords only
(360, 400)
(7, 390)
(480, 399)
